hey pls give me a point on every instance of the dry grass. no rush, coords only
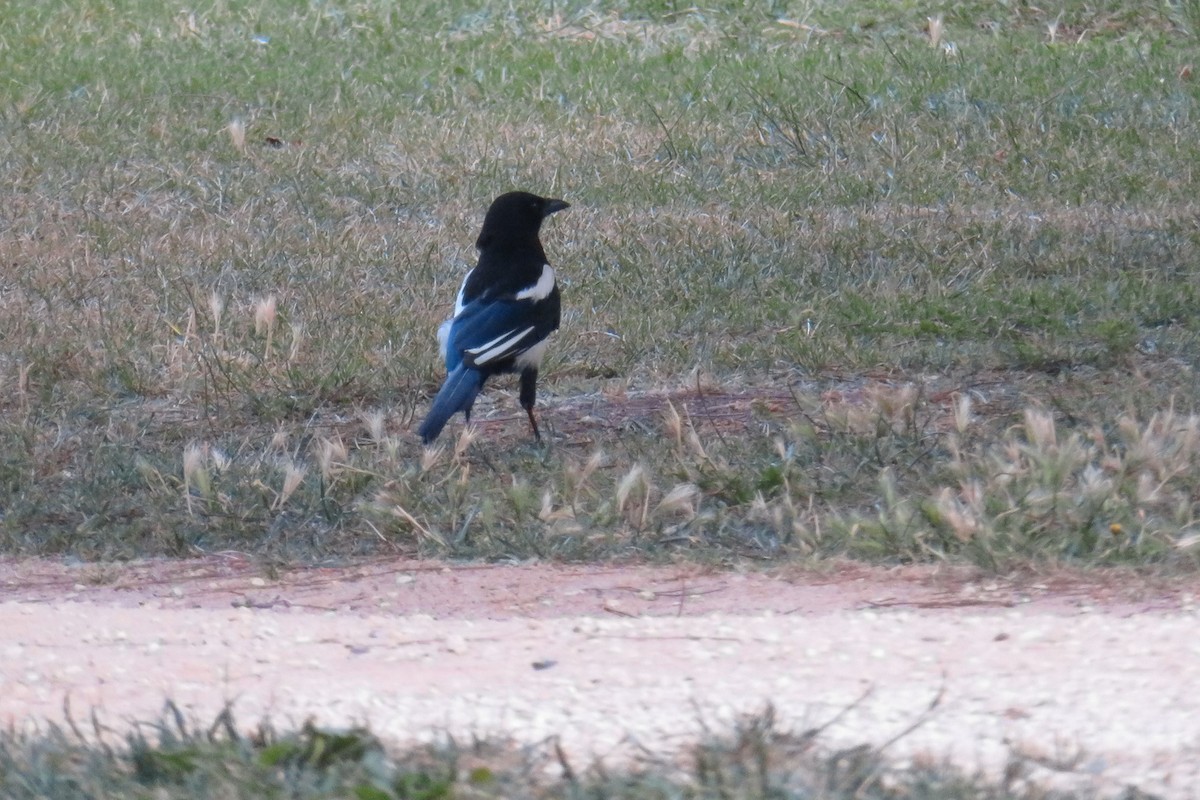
(230, 233)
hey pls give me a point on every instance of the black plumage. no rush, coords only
(506, 308)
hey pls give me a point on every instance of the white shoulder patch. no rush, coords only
(458, 301)
(540, 290)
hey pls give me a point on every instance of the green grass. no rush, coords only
(756, 761)
(813, 204)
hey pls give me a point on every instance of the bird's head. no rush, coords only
(516, 216)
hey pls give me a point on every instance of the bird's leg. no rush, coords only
(537, 435)
(529, 397)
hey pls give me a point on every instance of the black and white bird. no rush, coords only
(506, 308)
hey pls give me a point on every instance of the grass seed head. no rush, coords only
(1040, 429)
(548, 513)
(297, 340)
(237, 134)
(196, 478)
(373, 421)
(956, 515)
(216, 305)
(293, 476)
(332, 458)
(633, 478)
(594, 462)
(962, 412)
(193, 461)
(279, 441)
(673, 423)
(465, 439)
(430, 456)
(682, 499)
(264, 315)
(936, 29)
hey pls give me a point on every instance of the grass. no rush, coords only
(803, 237)
(755, 761)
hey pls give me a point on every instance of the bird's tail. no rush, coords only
(457, 394)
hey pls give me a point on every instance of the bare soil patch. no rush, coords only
(1087, 678)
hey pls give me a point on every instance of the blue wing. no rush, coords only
(489, 332)
(457, 394)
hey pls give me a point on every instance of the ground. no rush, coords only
(1087, 678)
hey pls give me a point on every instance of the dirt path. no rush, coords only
(1092, 679)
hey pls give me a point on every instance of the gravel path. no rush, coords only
(1094, 681)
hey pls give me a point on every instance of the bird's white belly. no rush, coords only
(444, 337)
(532, 357)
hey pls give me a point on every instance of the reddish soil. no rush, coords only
(1087, 680)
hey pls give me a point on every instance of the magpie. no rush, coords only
(506, 308)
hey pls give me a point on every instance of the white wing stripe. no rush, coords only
(541, 289)
(500, 346)
(486, 345)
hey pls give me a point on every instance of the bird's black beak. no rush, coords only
(553, 206)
